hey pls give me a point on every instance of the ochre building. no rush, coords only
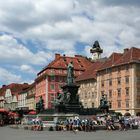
(119, 79)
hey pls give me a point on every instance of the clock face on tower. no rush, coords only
(95, 55)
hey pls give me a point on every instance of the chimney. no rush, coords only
(126, 50)
(57, 56)
(78, 56)
(3, 86)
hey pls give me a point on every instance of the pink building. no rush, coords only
(50, 80)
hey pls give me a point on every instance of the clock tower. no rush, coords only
(96, 51)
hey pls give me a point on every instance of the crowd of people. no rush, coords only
(77, 123)
(123, 123)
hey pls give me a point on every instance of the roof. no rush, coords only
(2, 90)
(128, 56)
(90, 73)
(61, 62)
(14, 87)
(111, 60)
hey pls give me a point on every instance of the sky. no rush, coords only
(32, 31)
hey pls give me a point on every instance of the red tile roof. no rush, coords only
(14, 87)
(129, 56)
(61, 62)
(111, 61)
(90, 73)
(2, 90)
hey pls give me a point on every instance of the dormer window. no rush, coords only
(51, 71)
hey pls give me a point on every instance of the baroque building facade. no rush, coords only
(31, 104)
(50, 80)
(119, 79)
(88, 86)
(9, 95)
(22, 98)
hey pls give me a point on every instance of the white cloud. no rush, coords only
(87, 50)
(59, 25)
(13, 52)
(57, 22)
(8, 77)
(33, 13)
(28, 69)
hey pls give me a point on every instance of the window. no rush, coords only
(51, 71)
(52, 87)
(65, 71)
(110, 104)
(119, 104)
(109, 71)
(60, 71)
(85, 95)
(52, 78)
(110, 93)
(119, 92)
(60, 79)
(52, 98)
(127, 91)
(110, 82)
(127, 103)
(127, 80)
(138, 102)
(119, 81)
(102, 93)
(127, 67)
(65, 79)
(88, 94)
(85, 105)
(102, 83)
(52, 95)
(92, 94)
(119, 69)
(60, 87)
(92, 105)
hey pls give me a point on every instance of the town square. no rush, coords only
(16, 134)
(69, 69)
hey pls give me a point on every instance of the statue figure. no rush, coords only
(59, 102)
(103, 101)
(60, 99)
(40, 105)
(70, 73)
(104, 104)
(67, 97)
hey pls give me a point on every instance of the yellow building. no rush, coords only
(30, 103)
(119, 79)
(88, 86)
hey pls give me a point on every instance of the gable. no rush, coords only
(8, 93)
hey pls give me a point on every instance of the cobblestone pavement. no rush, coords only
(7, 133)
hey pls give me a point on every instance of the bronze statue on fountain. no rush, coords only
(68, 100)
(104, 104)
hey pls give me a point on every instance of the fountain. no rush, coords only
(69, 100)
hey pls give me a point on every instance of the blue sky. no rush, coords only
(32, 31)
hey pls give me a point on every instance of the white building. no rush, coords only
(22, 98)
(11, 102)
